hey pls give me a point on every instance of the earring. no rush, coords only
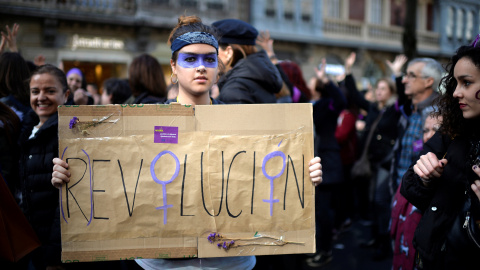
(171, 79)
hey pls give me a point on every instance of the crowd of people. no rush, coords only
(418, 133)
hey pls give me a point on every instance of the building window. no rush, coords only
(376, 11)
(270, 8)
(459, 30)
(449, 26)
(307, 8)
(160, 2)
(469, 25)
(333, 8)
(188, 3)
(215, 5)
(289, 9)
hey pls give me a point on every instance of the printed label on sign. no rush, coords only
(163, 134)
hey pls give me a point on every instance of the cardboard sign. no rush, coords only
(154, 181)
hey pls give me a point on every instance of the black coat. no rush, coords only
(325, 114)
(39, 197)
(252, 80)
(385, 134)
(440, 203)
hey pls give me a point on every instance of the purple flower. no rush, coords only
(225, 245)
(211, 238)
(219, 245)
(73, 121)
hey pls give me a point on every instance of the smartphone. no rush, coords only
(332, 69)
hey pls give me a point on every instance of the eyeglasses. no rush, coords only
(413, 76)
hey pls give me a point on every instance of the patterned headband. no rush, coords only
(476, 41)
(193, 38)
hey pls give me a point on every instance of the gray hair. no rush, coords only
(432, 69)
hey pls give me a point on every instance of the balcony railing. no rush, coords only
(375, 34)
(95, 6)
(154, 12)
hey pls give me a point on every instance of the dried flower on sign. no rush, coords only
(73, 122)
(84, 126)
(227, 243)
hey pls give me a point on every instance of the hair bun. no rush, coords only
(186, 20)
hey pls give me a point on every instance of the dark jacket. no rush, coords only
(380, 151)
(39, 197)
(440, 203)
(214, 101)
(325, 114)
(252, 80)
(70, 100)
(145, 98)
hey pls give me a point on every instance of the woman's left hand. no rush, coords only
(476, 185)
(315, 168)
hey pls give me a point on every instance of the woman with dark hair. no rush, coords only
(448, 171)
(115, 91)
(250, 77)
(14, 74)
(38, 146)
(147, 82)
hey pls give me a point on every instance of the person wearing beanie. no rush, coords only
(77, 85)
(249, 76)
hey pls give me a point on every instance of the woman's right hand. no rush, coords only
(428, 166)
(60, 173)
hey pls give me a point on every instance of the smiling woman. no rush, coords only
(46, 93)
(39, 145)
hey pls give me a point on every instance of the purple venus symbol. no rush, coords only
(271, 201)
(164, 183)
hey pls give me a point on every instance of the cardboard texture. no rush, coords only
(153, 181)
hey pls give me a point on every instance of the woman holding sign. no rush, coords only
(39, 144)
(195, 69)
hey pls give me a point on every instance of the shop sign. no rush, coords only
(96, 43)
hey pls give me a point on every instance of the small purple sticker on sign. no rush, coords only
(164, 134)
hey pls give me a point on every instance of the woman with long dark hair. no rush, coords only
(448, 171)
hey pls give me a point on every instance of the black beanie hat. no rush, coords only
(233, 31)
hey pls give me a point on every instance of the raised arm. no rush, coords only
(264, 41)
(10, 38)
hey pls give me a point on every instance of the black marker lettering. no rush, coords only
(226, 192)
(96, 190)
(130, 212)
(302, 196)
(183, 187)
(68, 189)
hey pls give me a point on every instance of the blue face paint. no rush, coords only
(191, 60)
